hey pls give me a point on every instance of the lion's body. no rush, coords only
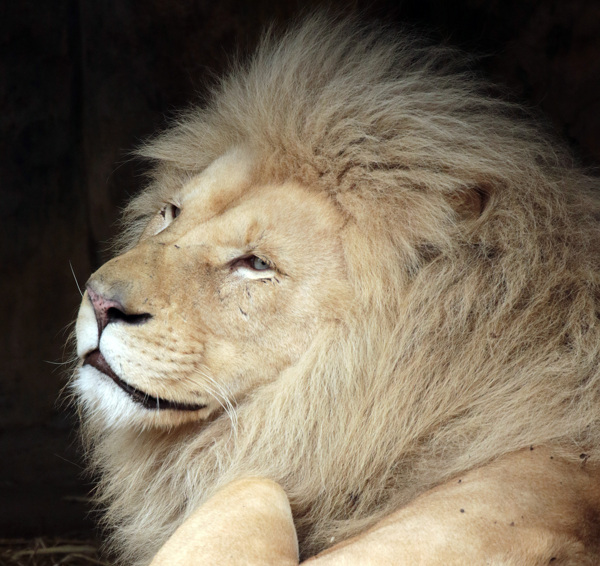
(443, 293)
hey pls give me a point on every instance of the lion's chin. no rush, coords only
(110, 402)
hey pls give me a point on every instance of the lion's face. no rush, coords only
(223, 292)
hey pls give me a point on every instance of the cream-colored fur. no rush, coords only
(432, 303)
(529, 508)
(247, 522)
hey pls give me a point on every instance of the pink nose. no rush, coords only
(102, 306)
(109, 310)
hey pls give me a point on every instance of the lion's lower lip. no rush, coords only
(97, 360)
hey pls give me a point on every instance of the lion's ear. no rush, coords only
(470, 202)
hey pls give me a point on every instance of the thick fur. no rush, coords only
(472, 249)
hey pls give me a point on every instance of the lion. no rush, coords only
(360, 282)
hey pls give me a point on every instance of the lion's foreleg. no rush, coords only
(528, 508)
(248, 522)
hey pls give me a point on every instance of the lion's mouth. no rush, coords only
(98, 361)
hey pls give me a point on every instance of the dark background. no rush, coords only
(83, 82)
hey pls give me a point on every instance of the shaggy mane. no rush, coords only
(472, 246)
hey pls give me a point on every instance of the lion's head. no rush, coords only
(225, 290)
(354, 272)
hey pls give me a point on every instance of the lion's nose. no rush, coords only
(110, 309)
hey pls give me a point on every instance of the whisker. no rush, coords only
(75, 277)
(226, 394)
(221, 393)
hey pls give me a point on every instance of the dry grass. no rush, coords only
(49, 552)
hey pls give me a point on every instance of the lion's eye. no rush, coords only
(252, 267)
(258, 264)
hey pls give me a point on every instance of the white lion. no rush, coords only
(359, 276)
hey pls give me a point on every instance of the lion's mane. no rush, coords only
(472, 247)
